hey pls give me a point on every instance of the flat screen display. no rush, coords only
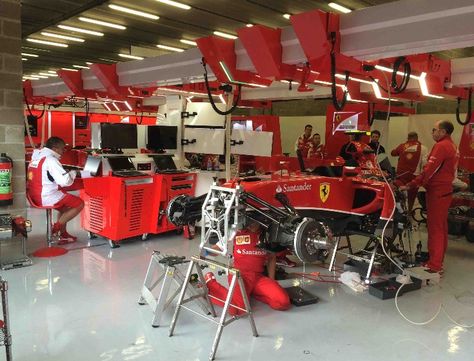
(120, 163)
(162, 137)
(92, 165)
(164, 162)
(118, 135)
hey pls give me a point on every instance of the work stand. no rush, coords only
(162, 273)
(337, 248)
(5, 335)
(196, 264)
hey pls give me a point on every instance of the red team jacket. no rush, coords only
(247, 256)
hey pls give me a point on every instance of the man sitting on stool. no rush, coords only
(250, 260)
(45, 176)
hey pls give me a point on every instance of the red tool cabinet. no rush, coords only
(117, 207)
(168, 186)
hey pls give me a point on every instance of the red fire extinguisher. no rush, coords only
(6, 192)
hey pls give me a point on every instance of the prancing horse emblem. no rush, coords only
(324, 189)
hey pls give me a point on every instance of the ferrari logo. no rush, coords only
(324, 189)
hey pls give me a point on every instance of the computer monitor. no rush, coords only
(120, 163)
(92, 165)
(162, 137)
(118, 135)
(164, 162)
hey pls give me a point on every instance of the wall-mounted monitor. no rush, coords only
(118, 135)
(162, 137)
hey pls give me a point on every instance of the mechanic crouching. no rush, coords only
(250, 260)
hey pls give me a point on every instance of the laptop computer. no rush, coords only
(123, 167)
(92, 165)
(165, 165)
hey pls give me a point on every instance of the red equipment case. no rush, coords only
(117, 207)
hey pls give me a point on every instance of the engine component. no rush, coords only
(312, 240)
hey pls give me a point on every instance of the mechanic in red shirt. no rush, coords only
(304, 141)
(316, 149)
(251, 260)
(411, 159)
(437, 177)
(45, 177)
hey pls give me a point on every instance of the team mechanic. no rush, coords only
(250, 260)
(437, 177)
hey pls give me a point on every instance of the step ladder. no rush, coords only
(163, 272)
(196, 263)
(5, 336)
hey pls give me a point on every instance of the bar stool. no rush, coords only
(50, 250)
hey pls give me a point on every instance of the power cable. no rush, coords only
(338, 105)
(469, 108)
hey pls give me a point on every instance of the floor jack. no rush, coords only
(196, 263)
(163, 271)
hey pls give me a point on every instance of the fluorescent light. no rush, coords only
(134, 12)
(128, 106)
(39, 76)
(69, 69)
(257, 85)
(221, 98)
(24, 59)
(30, 55)
(249, 25)
(88, 63)
(340, 8)
(80, 66)
(51, 72)
(341, 76)
(286, 16)
(30, 77)
(355, 100)
(107, 107)
(175, 4)
(47, 42)
(80, 30)
(424, 87)
(48, 74)
(171, 48)
(288, 81)
(116, 107)
(377, 92)
(189, 42)
(59, 36)
(103, 23)
(224, 35)
(389, 70)
(131, 56)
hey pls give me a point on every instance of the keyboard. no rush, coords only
(128, 173)
(171, 171)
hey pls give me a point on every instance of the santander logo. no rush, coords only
(294, 188)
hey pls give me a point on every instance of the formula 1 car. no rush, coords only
(307, 211)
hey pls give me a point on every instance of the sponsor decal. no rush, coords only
(324, 190)
(287, 188)
(30, 176)
(242, 240)
(255, 252)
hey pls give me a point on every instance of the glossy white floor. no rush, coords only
(83, 306)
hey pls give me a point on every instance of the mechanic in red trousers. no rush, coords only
(411, 159)
(251, 260)
(45, 176)
(437, 177)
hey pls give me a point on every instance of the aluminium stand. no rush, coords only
(223, 321)
(170, 274)
(5, 335)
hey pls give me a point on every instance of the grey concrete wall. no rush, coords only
(11, 100)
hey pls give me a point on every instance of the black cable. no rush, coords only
(370, 113)
(335, 102)
(398, 88)
(141, 118)
(469, 108)
(29, 109)
(217, 110)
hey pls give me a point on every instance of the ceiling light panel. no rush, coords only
(339, 8)
(175, 4)
(131, 56)
(52, 43)
(80, 30)
(30, 55)
(225, 35)
(170, 48)
(60, 36)
(103, 23)
(134, 12)
(188, 42)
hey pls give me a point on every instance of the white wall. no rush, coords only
(292, 127)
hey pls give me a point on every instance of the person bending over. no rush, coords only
(45, 176)
(250, 260)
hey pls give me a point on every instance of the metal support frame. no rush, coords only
(171, 274)
(5, 335)
(337, 249)
(223, 321)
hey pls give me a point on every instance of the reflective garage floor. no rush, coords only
(83, 306)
